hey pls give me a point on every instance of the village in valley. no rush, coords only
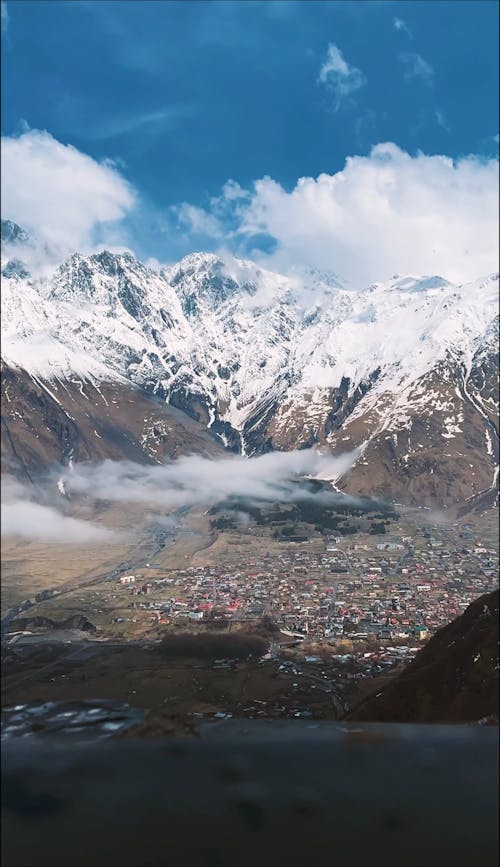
(333, 609)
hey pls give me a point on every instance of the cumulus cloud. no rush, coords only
(197, 220)
(385, 213)
(339, 77)
(23, 516)
(416, 67)
(63, 197)
(402, 26)
(195, 480)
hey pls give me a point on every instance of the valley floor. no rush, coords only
(436, 567)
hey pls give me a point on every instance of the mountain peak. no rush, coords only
(12, 233)
(98, 275)
(200, 279)
(273, 361)
(410, 283)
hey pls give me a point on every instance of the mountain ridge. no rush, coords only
(399, 370)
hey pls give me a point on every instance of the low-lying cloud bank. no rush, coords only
(22, 516)
(45, 524)
(200, 481)
(38, 513)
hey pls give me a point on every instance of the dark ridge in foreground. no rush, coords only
(454, 678)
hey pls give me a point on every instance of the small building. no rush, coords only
(127, 579)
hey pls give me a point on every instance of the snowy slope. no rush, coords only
(264, 359)
(234, 332)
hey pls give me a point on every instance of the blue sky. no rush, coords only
(184, 96)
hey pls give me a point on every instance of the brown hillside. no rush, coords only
(454, 678)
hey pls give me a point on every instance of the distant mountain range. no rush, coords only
(109, 357)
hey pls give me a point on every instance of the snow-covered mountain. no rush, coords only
(404, 370)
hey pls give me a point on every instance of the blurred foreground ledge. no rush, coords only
(256, 794)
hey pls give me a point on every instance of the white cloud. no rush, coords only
(62, 196)
(45, 524)
(233, 191)
(188, 481)
(416, 67)
(384, 213)
(196, 480)
(197, 220)
(402, 26)
(22, 516)
(339, 77)
(114, 127)
(5, 16)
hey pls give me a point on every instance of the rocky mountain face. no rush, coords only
(406, 371)
(454, 678)
(13, 234)
(65, 421)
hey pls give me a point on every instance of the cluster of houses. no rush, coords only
(403, 588)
